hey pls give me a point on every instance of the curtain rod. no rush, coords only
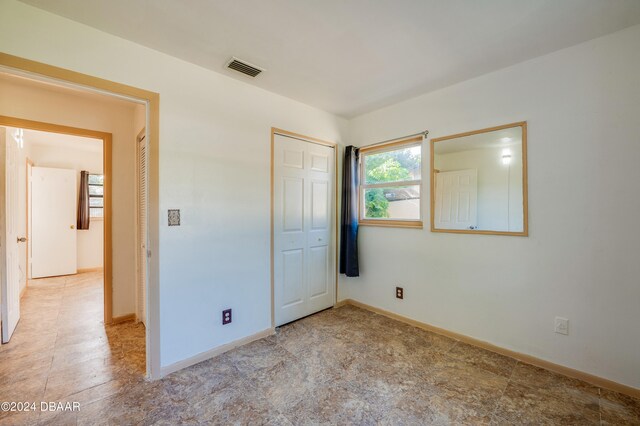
(424, 134)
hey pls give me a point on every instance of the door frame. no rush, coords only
(276, 131)
(21, 66)
(27, 273)
(142, 136)
(106, 165)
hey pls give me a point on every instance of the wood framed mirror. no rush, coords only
(479, 182)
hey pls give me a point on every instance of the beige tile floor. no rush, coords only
(341, 366)
(61, 350)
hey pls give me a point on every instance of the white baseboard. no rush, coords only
(203, 356)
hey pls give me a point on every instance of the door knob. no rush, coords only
(72, 227)
(22, 239)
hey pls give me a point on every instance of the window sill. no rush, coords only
(415, 224)
(91, 219)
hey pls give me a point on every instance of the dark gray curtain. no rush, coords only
(83, 201)
(349, 218)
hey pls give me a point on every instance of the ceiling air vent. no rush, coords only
(244, 67)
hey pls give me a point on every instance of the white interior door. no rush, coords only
(304, 220)
(141, 286)
(53, 218)
(456, 200)
(9, 244)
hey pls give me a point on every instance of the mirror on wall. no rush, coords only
(479, 181)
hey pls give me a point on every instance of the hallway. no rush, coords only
(61, 350)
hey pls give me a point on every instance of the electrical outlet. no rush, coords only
(399, 293)
(226, 316)
(561, 326)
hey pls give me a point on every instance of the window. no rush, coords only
(96, 196)
(390, 184)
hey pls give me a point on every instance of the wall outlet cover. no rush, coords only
(174, 217)
(399, 293)
(561, 325)
(226, 317)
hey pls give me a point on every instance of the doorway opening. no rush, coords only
(64, 275)
(56, 169)
(147, 116)
(59, 204)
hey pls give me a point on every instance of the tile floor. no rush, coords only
(340, 366)
(61, 350)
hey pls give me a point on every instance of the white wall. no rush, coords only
(91, 241)
(581, 259)
(51, 105)
(499, 186)
(213, 130)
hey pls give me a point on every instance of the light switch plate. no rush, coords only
(174, 217)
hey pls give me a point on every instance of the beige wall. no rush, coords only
(53, 105)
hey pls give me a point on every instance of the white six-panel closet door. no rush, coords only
(304, 219)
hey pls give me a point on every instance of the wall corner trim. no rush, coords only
(218, 350)
(528, 359)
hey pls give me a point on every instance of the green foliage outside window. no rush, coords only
(388, 167)
(375, 203)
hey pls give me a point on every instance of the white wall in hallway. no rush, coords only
(581, 259)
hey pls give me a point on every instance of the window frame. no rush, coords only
(96, 196)
(362, 186)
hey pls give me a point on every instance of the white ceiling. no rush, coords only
(56, 140)
(352, 56)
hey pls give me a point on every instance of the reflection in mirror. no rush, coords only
(479, 181)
